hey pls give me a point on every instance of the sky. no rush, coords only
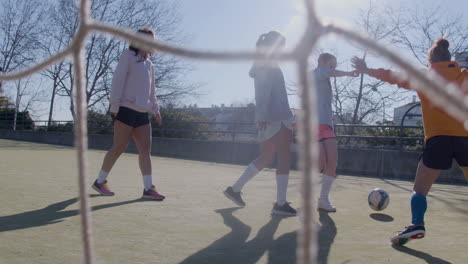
(236, 24)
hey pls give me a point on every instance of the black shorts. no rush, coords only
(439, 152)
(131, 117)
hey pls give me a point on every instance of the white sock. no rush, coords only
(102, 176)
(327, 182)
(281, 188)
(248, 174)
(148, 181)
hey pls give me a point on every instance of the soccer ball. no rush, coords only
(378, 199)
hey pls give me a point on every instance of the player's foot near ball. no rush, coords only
(325, 205)
(411, 232)
(234, 196)
(152, 194)
(102, 188)
(284, 209)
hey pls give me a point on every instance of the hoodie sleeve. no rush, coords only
(263, 88)
(118, 81)
(153, 99)
(390, 77)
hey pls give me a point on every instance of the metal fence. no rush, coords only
(443, 94)
(348, 135)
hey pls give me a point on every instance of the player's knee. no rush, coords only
(117, 150)
(144, 150)
(266, 158)
(145, 155)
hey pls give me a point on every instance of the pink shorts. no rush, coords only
(325, 131)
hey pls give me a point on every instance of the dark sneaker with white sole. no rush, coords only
(152, 194)
(234, 196)
(284, 209)
(102, 188)
(411, 232)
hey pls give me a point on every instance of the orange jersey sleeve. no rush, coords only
(464, 84)
(389, 77)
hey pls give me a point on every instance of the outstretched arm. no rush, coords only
(325, 73)
(382, 74)
(337, 73)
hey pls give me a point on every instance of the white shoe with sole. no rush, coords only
(325, 205)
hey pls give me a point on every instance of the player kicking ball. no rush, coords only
(445, 138)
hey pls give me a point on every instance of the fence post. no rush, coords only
(402, 123)
(234, 132)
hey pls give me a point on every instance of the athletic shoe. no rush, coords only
(152, 194)
(411, 232)
(234, 196)
(102, 188)
(325, 205)
(284, 209)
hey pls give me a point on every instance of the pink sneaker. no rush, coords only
(102, 188)
(153, 194)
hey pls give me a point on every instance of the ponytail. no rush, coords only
(261, 40)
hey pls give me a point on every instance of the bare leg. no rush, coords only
(329, 147)
(122, 133)
(331, 153)
(283, 143)
(425, 177)
(143, 139)
(267, 154)
(322, 158)
(465, 172)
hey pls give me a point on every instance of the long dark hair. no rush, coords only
(439, 51)
(143, 30)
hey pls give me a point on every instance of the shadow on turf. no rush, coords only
(49, 215)
(452, 203)
(234, 247)
(381, 217)
(422, 255)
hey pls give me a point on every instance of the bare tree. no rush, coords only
(422, 26)
(28, 97)
(102, 52)
(57, 36)
(359, 100)
(20, 28)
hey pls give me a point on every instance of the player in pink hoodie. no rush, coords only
(132, 100)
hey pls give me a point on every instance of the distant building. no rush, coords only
(413, 118)
(5, 103)
(231, 114)
(462, 59)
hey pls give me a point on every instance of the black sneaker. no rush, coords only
(411, 232)
(234, 196)
(285, 209)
